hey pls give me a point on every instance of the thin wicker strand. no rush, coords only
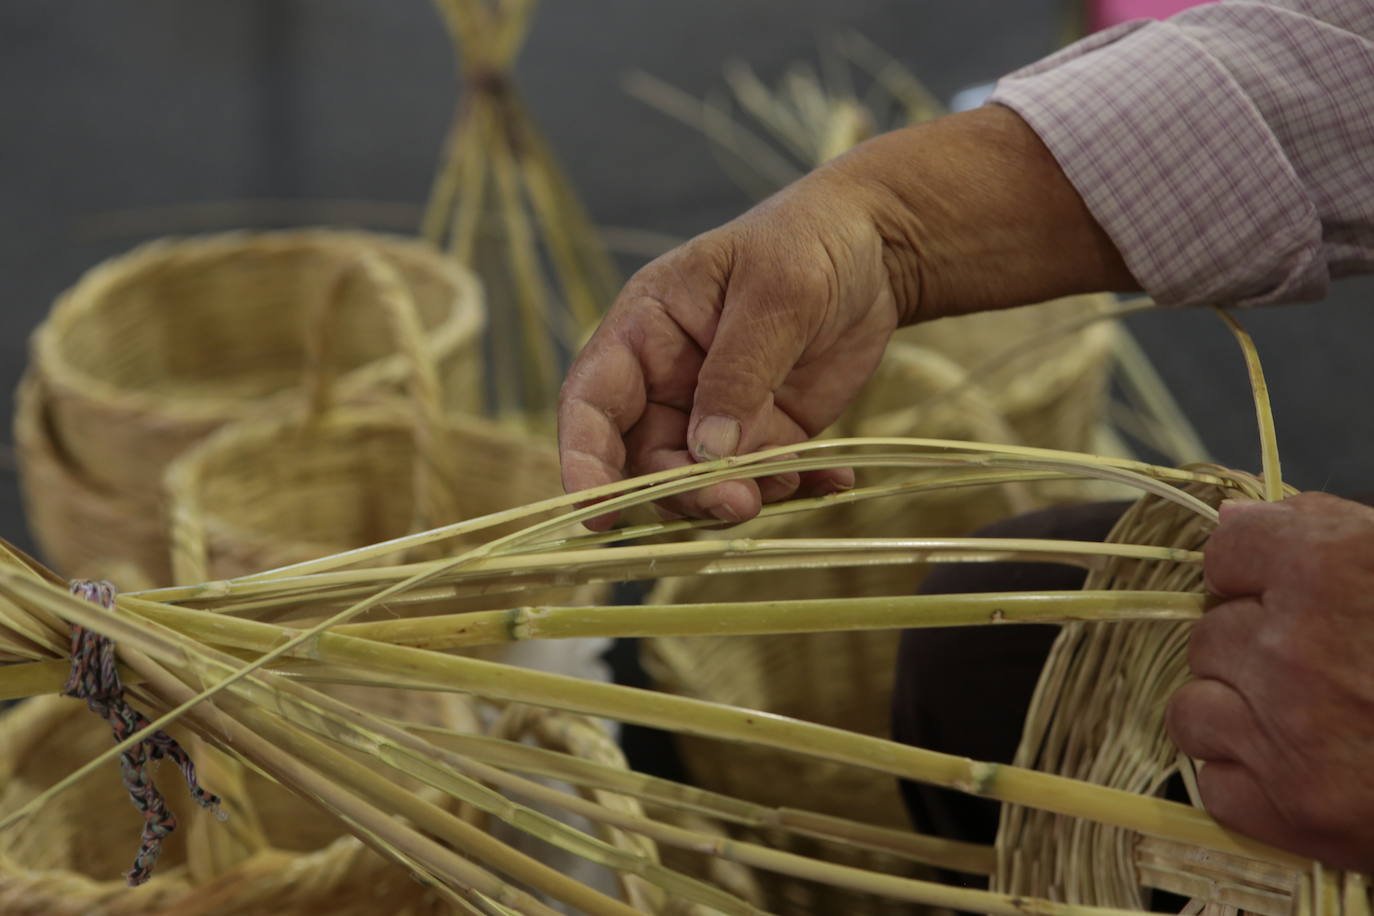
(1264, 412)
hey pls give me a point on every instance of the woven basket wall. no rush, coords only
(80, 527)
(1053, 399)
(271, 492)
(1109, 730)
(152, 351)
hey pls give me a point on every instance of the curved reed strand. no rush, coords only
(1264, 411)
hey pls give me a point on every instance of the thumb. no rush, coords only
(757, 343)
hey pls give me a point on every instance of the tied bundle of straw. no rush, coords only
(502, 206)
(154, 350)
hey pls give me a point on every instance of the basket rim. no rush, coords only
(184, 478)
(464, 321)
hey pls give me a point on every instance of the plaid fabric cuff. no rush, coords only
(1178, 166)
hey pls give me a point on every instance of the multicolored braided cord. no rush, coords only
(95, 678)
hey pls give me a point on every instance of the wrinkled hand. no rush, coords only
(761, 332)
(1282, 708)
(754, 335)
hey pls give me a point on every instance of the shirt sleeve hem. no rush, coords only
(1178, 166)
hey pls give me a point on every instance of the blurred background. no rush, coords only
(126, 121)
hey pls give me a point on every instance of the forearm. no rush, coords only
(976, 214)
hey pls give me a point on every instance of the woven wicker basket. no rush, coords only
(1110, 731)
(276, 853)
(270, 492)
(1046, 375)
(151, 351)
(79, 526)
(845, 679)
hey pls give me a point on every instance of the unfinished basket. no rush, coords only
(1110, 731)
(151, 351)
(79, 526)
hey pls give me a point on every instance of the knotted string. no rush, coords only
(95, 678)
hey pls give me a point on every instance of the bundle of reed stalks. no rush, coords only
(241, 662)
(502, 206)
(813, 113)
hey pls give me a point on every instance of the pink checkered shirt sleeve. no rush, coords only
(1228, 151)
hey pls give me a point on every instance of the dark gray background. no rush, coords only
(148, 105)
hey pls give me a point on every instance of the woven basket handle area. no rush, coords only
(403, 318)
(435, 499)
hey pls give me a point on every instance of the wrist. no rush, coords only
(974, 214)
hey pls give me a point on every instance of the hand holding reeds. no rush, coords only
(759, 333)
(1281, 706)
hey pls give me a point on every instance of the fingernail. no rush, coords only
(724, 511)
(667, 515)
(717, 437)
(1238, 504)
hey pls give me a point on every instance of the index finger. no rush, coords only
(602, 398)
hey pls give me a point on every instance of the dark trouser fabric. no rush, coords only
(965, 690)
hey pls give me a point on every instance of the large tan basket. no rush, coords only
(151, 351)
(924, 387)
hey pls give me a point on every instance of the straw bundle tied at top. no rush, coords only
(327, 621)
(501, 205)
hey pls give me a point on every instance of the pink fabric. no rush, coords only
(1228, 152)
(1103, 14)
